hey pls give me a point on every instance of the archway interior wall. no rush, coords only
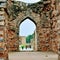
(46, 34)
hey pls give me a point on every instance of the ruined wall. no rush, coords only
(48, 36)
(58, 23)
(3, 30)
(44, 14)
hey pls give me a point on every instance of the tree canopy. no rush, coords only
(29, 37)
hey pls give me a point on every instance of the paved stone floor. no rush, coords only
(32, 56)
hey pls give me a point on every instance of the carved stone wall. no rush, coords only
(43, 13)
(3, 36)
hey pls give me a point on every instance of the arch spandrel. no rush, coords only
(33, 16)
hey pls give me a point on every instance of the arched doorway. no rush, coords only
(27, 35)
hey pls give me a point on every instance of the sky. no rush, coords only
(27, 27)
(29, 1)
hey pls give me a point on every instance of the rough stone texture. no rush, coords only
(43, 14)
(3, 36)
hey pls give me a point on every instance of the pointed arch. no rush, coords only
(27, 24)
(34, 20)
(29, 19)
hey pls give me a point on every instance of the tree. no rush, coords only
(29, 37)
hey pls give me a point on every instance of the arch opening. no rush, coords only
(30, 20)
(27, 35)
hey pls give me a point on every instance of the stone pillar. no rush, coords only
(35, 40)
(38, 38)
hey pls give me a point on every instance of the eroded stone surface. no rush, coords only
(44, 14)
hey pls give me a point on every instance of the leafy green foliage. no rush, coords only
(29, 37)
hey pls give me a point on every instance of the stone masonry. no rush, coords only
(45, 14)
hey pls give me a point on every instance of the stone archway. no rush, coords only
(44, 16)
(33, 43)
(18, 21)
(35, 22)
